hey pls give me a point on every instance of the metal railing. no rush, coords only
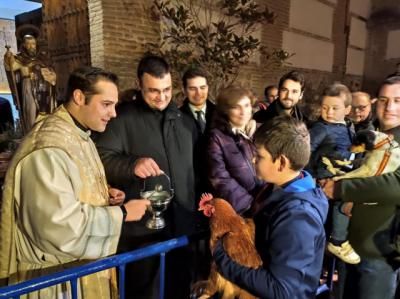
(328, 285)
(72, 275)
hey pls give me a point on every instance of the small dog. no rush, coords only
(382, 156)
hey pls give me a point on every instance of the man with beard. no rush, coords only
(31, 81)
(291, 89)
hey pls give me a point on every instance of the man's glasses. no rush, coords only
(360, 108)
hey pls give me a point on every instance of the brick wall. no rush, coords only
(118, 35)
(119, 30)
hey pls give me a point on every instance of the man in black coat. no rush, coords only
(200, 110)
(149, 137)
(291, 89)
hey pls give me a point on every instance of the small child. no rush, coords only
(290, 235)
(331, 137)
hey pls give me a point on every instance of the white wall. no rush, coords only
(361, 7)
(311, 53)
(393, 44)
(358, 33)
(311, 16)
(355, 62)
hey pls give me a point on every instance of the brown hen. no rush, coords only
(237, 236)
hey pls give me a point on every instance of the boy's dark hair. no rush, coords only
(285, 135)
(294, 76)
(153, 65)
(268, 88)
(193, 73)
(85, 79)
(338, 90)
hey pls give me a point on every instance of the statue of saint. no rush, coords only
(32, 81)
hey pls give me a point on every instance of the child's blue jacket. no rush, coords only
(290, 238)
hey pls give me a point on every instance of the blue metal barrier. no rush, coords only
(328, 285)
(120, 260)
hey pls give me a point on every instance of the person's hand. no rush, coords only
(328, 186)
(146, 167)
(117, 197)
(9, 60)
(347, 207)
(49, 75)
(136, 208)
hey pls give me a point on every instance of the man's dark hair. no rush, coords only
(285, 135)
(85, 79)
(338, 90)
(390, 80)
(193, 73)
(268, 88)
(294, 76)
(153, 65)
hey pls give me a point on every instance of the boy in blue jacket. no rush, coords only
(290, 236)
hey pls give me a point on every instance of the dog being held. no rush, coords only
(382, 155)
(237, 235)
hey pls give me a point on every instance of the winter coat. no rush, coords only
(165, 136)
(209, 114)
(200, 149)
(331, 140)
(231, 171)
(366, 124)
(290, 239)
(373, 225)
(275, 109)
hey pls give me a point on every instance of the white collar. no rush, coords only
(194, 109)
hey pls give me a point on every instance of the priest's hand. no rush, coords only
(135, 209)
(117, 196)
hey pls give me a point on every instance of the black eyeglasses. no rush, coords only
(360, 108)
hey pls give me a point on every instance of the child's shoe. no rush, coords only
(344, 252)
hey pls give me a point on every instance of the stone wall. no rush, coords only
(7, 36)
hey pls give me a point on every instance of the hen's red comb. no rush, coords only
(205, 197)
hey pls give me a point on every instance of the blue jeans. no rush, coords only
(340, 222)
(371, 279)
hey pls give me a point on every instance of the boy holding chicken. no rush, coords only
(290, 235)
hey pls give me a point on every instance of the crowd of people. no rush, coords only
(59, 209)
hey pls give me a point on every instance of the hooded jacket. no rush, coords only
(290, 239)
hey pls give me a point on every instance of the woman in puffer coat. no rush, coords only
(231, 151)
